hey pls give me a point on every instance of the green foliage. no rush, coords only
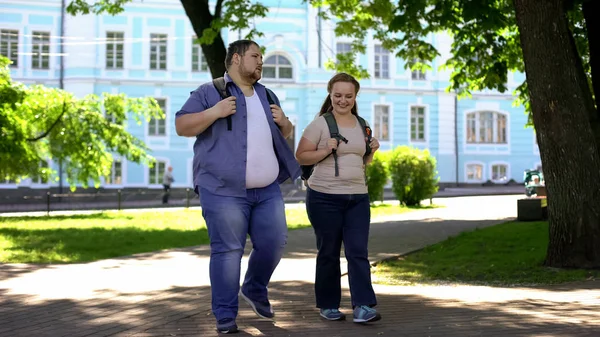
(377, 176)
(39, 123)
(485, 38)
(413, 173)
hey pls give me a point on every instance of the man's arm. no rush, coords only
(197, 119)
(287, 128)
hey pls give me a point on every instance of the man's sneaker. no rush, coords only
(364, 314)
(262, 309)
(332, 315)
(227, 325)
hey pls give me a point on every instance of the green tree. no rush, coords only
(39, 123)
(555, 42)
(237, 15)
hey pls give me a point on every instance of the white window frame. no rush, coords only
(474, 119)
(159, 176)
(40, 50)
(110, 183)
(8, 38)
(425, 138)
(378, 122)
(152, 130)
(418, 75)
(278, 67)
(379, 71)
(113, 41)
(492, 165)
(466, 172)
(156, 60)
(199, 65)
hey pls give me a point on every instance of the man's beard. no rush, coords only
(250, 75)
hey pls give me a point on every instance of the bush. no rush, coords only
(413, 173)
(377, 176)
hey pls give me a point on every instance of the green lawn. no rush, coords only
(508, 254)
(83, 238)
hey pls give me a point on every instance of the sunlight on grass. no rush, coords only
(507, 254)
(90, 237)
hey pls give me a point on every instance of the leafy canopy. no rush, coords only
(485, 38)
(39, 123)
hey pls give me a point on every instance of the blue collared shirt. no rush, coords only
(220, 154)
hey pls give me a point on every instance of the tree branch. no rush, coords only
(218, 9)
(52, 126)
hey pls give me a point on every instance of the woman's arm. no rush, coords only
(308, 154)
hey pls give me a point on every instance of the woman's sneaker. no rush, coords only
(364, 314)
(332, 314)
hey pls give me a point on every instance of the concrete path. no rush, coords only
(167, 293)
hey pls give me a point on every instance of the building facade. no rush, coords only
(148, 50)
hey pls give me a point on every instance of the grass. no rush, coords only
(507, 254)
(91, 237)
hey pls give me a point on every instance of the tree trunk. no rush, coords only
(199, 14)
(561, 103)
(590, 10)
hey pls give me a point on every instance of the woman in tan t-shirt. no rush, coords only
(338, 207)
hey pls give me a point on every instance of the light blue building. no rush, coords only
(148, 51)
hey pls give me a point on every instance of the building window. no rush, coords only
(474, 172)
(381, 125)
(417, 124)
(114, 50)
(9, 45)
(157, 127)
(343, 47)
(486, 127)
(198, 59)
(418, 75)
(382, 62)
(278, 66)
(499, 173)
(116, 174)
(40, 58)
(158, 51)
(43, 176)
(156, 172)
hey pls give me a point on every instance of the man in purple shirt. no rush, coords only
(240, 158)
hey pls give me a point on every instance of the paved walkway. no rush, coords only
(167, 293)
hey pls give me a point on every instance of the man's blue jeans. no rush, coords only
(229, 219)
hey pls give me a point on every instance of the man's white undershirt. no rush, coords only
(262, 167)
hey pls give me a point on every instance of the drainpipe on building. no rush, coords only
(456, 157)
(61, 82)
(319, 33)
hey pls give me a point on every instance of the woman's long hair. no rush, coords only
(341, 77)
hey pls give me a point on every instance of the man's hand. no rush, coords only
(278, 115)
(226, 107)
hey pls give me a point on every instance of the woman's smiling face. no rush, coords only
(343, 97)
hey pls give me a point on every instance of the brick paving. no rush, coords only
(167, 293)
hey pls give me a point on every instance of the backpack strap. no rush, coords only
(368, 134)
(270, 96)
(334, 133)
(221, 87)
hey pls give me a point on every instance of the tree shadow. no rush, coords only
(185, 311)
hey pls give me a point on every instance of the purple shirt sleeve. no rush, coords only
(195, 103)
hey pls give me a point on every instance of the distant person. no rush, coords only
(167, 181)
(337, 201)
(240, 157)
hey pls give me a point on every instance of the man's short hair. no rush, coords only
(237, 47)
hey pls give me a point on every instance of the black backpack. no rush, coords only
(334, 133)
(219, 84)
